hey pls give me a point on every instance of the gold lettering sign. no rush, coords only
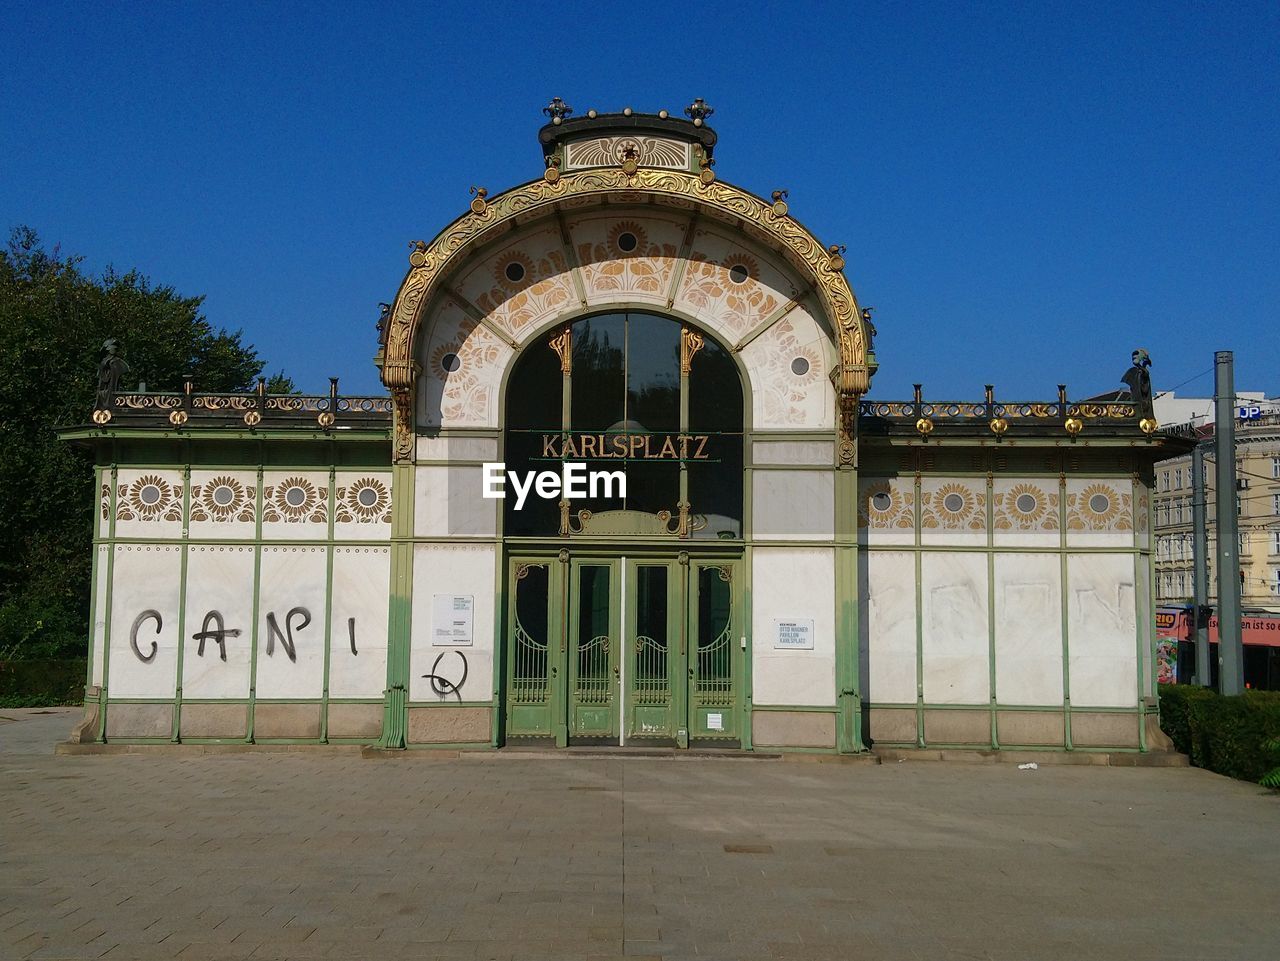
(625, 446)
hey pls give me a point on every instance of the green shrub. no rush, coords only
(1235, 736)
(1176, 701)
(44, 683)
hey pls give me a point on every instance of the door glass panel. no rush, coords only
(592, 681)
(713, 683)
(599, 382)
(653, 373)
(650, 682)
(529, 670)
(716, 409)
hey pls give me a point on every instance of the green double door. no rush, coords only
(616, 650)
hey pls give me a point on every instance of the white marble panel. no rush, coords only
(954, 616)
(1028, 617)
(219, 582)
(789, 366)
(891, 626)
(642, 274)
(449, 502)
(149, 503)
(788, 583)
(794, 452)
(732, 286)
(223, 504)
(361, 594)
(102, 554)
(462, 366)
(146, 578)
(886, 510)
(362, 506)
(446, 447)
(793, 505)
(293, 595)
(295, 505)
(1145, 617)
(522, 283)
(466, 570)
(953, 511)
(1102, 630)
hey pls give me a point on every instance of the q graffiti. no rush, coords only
(443, 686)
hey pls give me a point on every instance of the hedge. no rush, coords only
(1236, 736)
(42, 683)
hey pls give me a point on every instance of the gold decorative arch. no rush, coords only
(766, 223)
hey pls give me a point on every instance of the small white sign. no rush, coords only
(453, 617)
(793, 634)
(715, 722)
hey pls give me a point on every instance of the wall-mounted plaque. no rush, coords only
(793, 634)
(451, 626)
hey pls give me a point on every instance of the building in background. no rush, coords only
(1258, 471)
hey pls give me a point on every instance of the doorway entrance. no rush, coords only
(644, 650)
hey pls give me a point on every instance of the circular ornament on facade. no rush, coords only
(368, 498)
(953, 503)
(1100, 503)
(450, 362)
(295, 496)
(800, 366)
(223, 496)
(149, 495)
(102, 416)
(178, 417)
(325, 419)
(252, 418)
(1026, 503)
(627, 242)
(738, 274)
(881, 502)
(514, 271)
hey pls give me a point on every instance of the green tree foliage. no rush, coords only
(54, 318)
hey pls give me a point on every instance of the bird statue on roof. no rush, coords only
(1138, 379)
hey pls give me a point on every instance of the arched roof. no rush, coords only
(431, 264)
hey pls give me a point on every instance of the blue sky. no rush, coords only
(1027, 191)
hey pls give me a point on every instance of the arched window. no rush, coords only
(636, 395)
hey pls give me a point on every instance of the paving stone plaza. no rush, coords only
(498, 856)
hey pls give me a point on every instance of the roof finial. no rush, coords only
(698, 112)
(557, 110)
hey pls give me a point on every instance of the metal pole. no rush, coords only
(1230, 651)
(1200, 554)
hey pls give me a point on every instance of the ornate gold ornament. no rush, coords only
(1074, 425)
(998, 426)
(402, 400)
(690, 343)
(1149, 425)
(177, 418)
(478, 204)
(562, 344)
(924, 427)
(822, 266)
(779, 208)
(252, 418)
(418, 257)
(325, 419)
(102, 417)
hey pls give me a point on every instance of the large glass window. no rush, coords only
(635, 393)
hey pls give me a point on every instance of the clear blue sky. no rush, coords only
(1027, 191)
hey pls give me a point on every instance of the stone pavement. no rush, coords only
(296, 856)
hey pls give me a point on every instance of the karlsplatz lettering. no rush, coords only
(625, 446)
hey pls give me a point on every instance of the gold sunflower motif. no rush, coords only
(952, 506)
(628, 239)
(1023, 507)
(294, 500)
(149, 498)
(1100, 507)
(882, 507)
(221, 499)
(367, 501)
(513, 270)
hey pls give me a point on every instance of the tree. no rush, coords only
(54, 319)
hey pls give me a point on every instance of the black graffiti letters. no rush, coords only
(351, 632)
(443, 686)
(133, 635)
(286, 638)
(218, 635)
